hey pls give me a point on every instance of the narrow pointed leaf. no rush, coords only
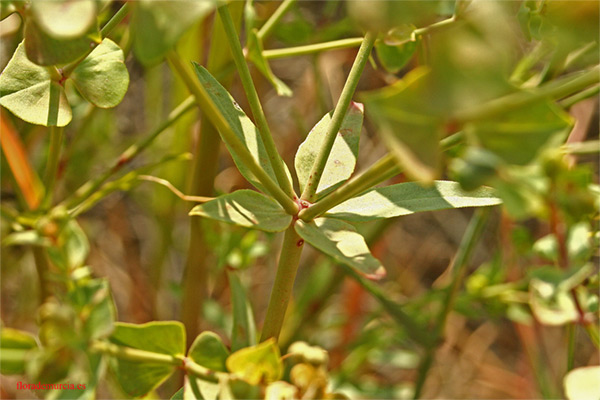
(65, 18)
(209, 351)
(256, 56)
(15, 347)
(139, 378)
(102, 77)
(342, 159)
(257, 364)
(243, 127)
(341, 241)
(244, 326)
(409, 198)
(27, 90)
(246, 208)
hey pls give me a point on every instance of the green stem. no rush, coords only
(553, 90)
(583, 95)
(312, 48)
(465, 250)
(435, 27)
(571, 331)
(90, 187)
(382, 170)
(283, 285)
(219, 121)
(339, 113)
(56, 141)
(592, 330)
(267, 28)
(42, 267)
(254, 101)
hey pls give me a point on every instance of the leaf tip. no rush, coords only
(379, 274)
(357, 106)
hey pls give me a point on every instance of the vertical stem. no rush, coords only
(254, 101)
(56, 139)
(266, 29)
(571, 331)
(283, 285)
(42, 267)
(338, 116)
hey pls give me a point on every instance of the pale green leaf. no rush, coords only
(15, 347)
(209, 351)
(411, 197)
(256, 56)
(64, 19)
(257, 364)
(27, 238)
(244, 327)
(158, 25)
(342, 159)
(583, 383)
(246, 208)
(281, 390)
(397, 47)
(27, 91)
(102, 77)
(71, 248)
(341, 241)
(138, 378)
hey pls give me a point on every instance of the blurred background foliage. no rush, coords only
(514, 330)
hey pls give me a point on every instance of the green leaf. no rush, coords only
(281, 390)
(246, 208)
(257, 364)
(342, 159)
(411, 197)
(244, 328)
(383, 15)
(583, 383)
(102, 77)
(138, 378)
(209, 351)
(158, 25)
(95, 307)
(340, 240)
(401, 112)
(72, 247)
(15, 347)
(518, 137)
(26, 90)
(397, 48)
(255, 49)
(44, 49)
(27, 238)
(64, 19)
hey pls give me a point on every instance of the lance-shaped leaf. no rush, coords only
(102, 77)
(342, 159)
(257, 364)
(246, 208)
(409, 131)
(341, 241)
(158, 25)
(242, 126)
(139, 378)
(209, 351)
(256, 56)
(15, 347)
(64, 19)
(244, 328)
(411, 197)
(27, 90)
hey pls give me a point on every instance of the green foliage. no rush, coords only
(255, 54)
(257, 364)
(209, 351)
(244, 328)
(64, 19)
(15, 347)
(396, 48)
(582, 383)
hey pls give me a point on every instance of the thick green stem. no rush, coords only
(254, 101)
(266, 29)
(339, 113)
(465, 250)
(219, 121)
(283, 285)
(553, 90)
(312, 48)
(56, 141)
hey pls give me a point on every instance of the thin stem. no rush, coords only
(583, 95)
(592, 330)
(382, 170)
(254, 101)
(266, 29)
(174, 190)
(339, 113)
(135, 355)
(312, 48)
(283, 285)
(56, 141)
(554, 90)
(435, 27)
(42, 267)
(465, 250)
(219, 121)
(571, 331)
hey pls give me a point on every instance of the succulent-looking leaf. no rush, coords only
(410, 132)
(139, 378)
(342, 159)
(209, 351)
(64, 19)
(397, 47)
(341, 241)
(244, 327)
(102, 77)
(257, 364)
(27, 90)
(246, 208)
(15, 346)
(241, 125)
(411, 197)
(155, 29)
(255, 49)
(281, 390)
(583, 383)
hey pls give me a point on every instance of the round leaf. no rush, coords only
(64, 19)
(209, 351)
(257, 364)
(583, 383)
